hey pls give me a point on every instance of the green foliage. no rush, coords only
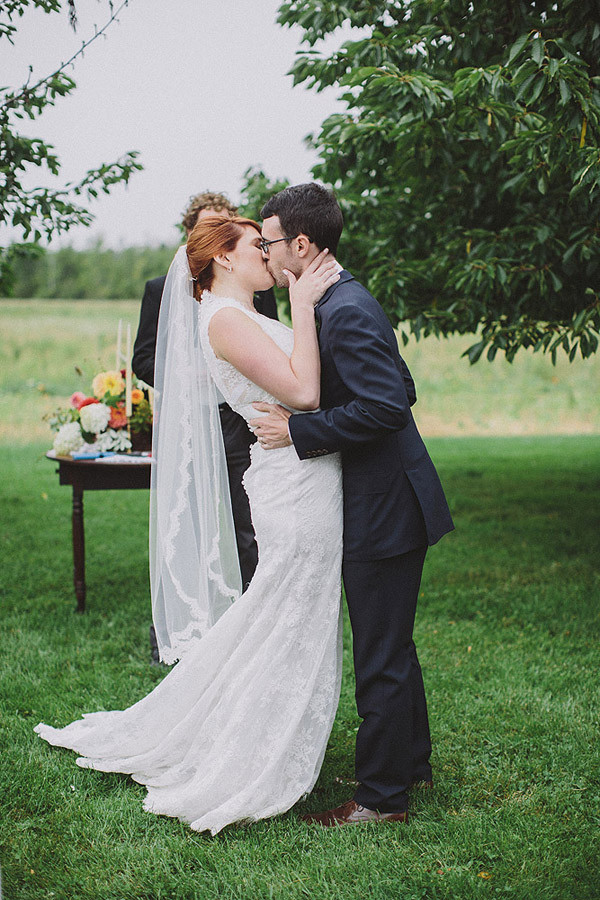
(96, 273)
(467, 163)
(40, 212)
(59, 417)
(140, 420)
(256, 190)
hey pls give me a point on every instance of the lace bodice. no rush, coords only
(237, 390)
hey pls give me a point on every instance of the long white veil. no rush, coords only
(194, 568)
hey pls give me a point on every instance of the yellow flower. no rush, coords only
(107, 383)
(136, 396)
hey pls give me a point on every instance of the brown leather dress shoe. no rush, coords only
(351, 813)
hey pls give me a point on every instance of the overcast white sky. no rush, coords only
(197, 86)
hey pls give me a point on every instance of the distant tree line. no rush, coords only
(97, 273)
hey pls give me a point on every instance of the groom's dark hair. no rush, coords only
(308, 209)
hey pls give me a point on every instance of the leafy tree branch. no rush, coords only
(34, 213)
(467, 163)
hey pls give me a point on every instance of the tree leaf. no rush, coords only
(537, 50)
(517, 47)
(475, 351)
(565, 90)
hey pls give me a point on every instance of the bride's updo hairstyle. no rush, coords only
(211, 236)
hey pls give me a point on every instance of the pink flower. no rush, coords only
(77, 399)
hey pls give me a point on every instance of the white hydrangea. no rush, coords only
(94, 418)
(68, 439)
(113, 439)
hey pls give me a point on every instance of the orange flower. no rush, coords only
(136, 396)
(118, 417)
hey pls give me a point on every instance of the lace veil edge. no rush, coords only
(194, 568)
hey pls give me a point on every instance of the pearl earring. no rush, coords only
(230, 269)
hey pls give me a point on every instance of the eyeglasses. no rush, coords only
(264, 245)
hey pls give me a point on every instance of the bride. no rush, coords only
(237, 730)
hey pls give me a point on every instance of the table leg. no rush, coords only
(78, 548)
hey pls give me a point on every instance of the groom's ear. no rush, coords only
(302, 244)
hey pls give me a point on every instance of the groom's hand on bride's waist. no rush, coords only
(272, 430)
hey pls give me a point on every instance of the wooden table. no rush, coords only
(96, 475)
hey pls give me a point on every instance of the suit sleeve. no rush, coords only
(144, 347)
(362, 355)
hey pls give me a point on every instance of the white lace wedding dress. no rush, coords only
(237, 730)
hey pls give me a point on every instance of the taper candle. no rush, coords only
(128, 407)
(119, 338)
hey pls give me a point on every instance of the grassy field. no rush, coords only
(43, 341)
(508, 627)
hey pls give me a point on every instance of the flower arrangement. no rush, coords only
(100, 423)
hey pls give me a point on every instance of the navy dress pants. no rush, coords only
(393, 744)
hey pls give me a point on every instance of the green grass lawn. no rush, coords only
(507, 630)
(508, 636)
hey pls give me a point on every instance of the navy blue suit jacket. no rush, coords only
(393, 499)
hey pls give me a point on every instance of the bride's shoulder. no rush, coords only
(227, 321)
(212, 305)
(210, 301)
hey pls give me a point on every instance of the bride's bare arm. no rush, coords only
(293, 380)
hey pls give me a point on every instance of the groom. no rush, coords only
(394, 505)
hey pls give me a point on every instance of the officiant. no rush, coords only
(236, 435)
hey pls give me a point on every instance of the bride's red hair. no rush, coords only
(211, 236)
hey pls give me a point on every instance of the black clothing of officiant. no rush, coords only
(236, 435)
